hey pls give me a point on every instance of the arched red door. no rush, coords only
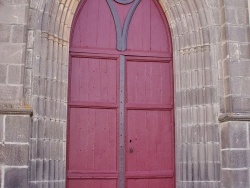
(120, 107)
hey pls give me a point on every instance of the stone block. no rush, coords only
(237, 33)
(46, 170)
(33, 147)
(238, 3)
(244, 51)
(52, 169)
(16, 177)
(17, 129)
(245, 68)
(28, 78)
(3, 74)
(18, 33)
(1, 127)
(39, 5)
(236, 102)
(234, 159)
(5, 31)
(10, 94)
(11, 53)
(235, 179)
(40, 149)
(234, 135)
(246, 87)
(242, 15)
(32, 170)
(39, 170)
(14, 155)
(13, 14)
(15, 74)
(249, 136)
(13, 2)
(230, 15)
(29, 58)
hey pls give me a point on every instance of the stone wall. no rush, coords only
(235, 100)
(212, 94)
(14, 114)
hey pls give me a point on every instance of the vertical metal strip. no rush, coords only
(122, 126)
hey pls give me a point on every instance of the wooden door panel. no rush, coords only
(149, 83)
(94, 140)
(93, 80)
(149, 134)
(94, 27)
(147, 30)
(120, 105)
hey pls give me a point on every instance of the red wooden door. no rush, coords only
(120, 107)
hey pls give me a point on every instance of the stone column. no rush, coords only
(235, 104)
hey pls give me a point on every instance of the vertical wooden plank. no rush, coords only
(83, 79)
(74, 90)
(135, 34)
(145, 25)
(83, 24)
(158, 31)
(140, 84)
(105, 34)
(112, 80)
(131, 82)
(131, 141)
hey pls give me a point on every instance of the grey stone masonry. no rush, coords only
(14, 114)
(13, 32)
(14, 150)
(235, 98)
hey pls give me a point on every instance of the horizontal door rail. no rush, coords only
(92, 175)
(131, 106)
(150, 174)
(93, 105)
(78, 51)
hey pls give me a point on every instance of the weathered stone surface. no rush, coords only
(14, 155)
(17, 129)
(5, 31)
(18, 33)
(16, 177)
(1, 127)
(3, 74)
(15, 74)
(234, 159)
(234, 135)
(10, 94)
(13, 14)
(235, 179)
(11, 2)
(11, 53)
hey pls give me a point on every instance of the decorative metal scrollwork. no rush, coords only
(124, 2)
(122, 32)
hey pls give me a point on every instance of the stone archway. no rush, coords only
(196, 42)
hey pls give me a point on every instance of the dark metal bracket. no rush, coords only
(122, 32)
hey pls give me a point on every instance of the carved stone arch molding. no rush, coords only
(196, 43)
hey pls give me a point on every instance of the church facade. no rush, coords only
(210, 51)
